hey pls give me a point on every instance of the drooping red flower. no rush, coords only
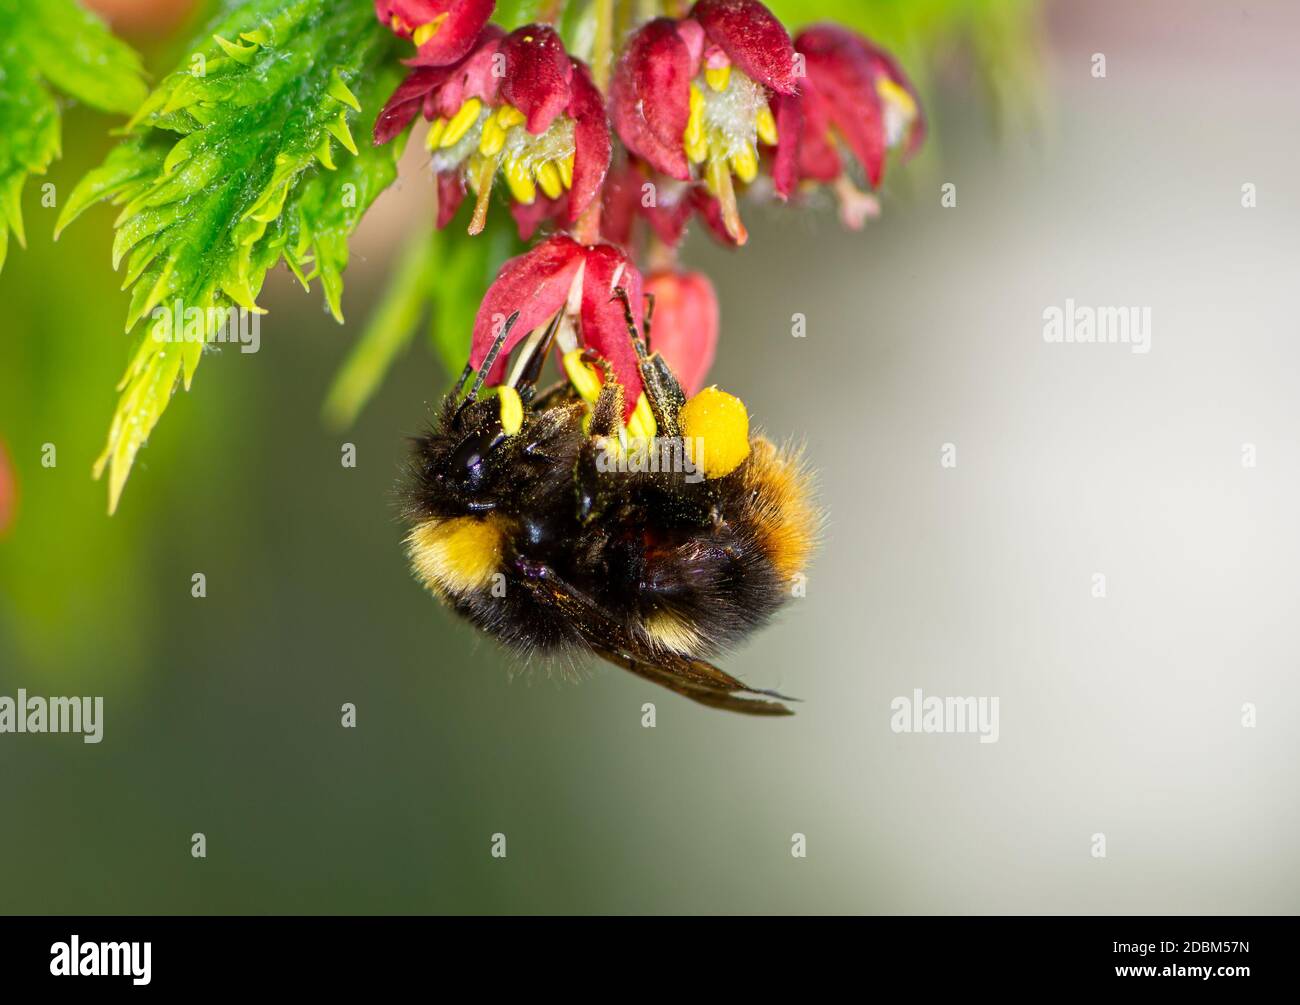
(562, 275)
(516, 105)
(443, 30)
(685, 326)
(855, 100)
(693, 97)
(635, 193)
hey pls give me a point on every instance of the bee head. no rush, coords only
(465, 464)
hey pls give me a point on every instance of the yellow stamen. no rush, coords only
(718, 179)
(566, 171)
(512, 410)
(482, 175)
(493, 139)
(436, 133)
(745, 164)
(425, 32)
(509, 116)
(644, 416)
(897, 96)
(520, 182)
(767, 126)
(718, 79)
(461, 122)
(584, 377)
(694, 139)
(548, 176)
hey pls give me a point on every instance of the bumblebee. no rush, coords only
(554, 527)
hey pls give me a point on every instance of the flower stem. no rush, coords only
(602, 57)
(587, 230)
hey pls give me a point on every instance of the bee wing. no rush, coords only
(697, 680)
(692, 678)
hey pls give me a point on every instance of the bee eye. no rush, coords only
(468, 462)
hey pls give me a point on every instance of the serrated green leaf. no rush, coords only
(228, 169)
(56, 43)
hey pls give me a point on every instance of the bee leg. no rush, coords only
(607, 411)
(661, 387)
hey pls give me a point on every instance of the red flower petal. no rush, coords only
(844, 92)
(818, 158)
(686, 324)
(650, 97)
(536, 284)
(455, 36)
(406, 101)
(538, 72)
(788, 112)
(593, 145)
(451, 193)
(710, 211)
(530, 217)
(473, 77)
(619, 203)
(753, 39)
(886, 64)
(604, 327)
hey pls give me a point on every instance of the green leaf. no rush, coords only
(239, 159)
(53, 42)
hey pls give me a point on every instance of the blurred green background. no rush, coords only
(222, 714)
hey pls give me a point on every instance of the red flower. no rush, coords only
(562, 275)
(634, 193)
(443, 30)
(516, 105)
(695, 95)
(685, 326)
(855, 99)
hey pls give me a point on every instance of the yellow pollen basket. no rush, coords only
(715, 429)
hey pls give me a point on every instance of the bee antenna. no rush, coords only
(490, 360)
(486, 368)
(649, 318)
(464, 376)
(620, 294)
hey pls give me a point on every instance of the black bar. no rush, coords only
(962, 954)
